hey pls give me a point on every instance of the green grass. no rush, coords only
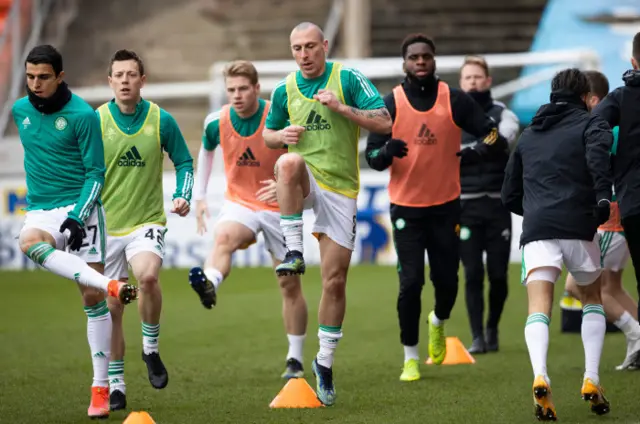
(225, 364)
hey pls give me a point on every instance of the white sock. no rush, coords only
(116, 376)
(67, 265)
(536, 334)
(150, 335)
(329, 337)
(292, 230)
(411, 352)
(594, 327)
(436, 321)
(627, 324)
(214, 276)
(99, 337)
(296, 344)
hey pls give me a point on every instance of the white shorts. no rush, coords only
(582, 258)
(615, 252)
(335, 214)
(120, 249)
(93, 248)
(267, 222)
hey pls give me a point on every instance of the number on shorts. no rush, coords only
(94, 229)
(159, 237)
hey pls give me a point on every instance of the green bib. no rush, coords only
(329, 145)
(133, 191)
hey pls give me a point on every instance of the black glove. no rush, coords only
(602, 211)
(395, 148)
(77, 233)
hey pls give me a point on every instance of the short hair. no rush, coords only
(124, 55)
(241, 68)
(477, 61)
(636, 47)
(572, 80)
(598, 82)
(45, 54)
(416, 38)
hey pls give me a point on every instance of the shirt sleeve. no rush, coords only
(362, 92)
(211, 133)
(89, 136)
(375, 153)
(609, 107)
(598, 145)
(509, 126)
(175, 145)
(278, 117)
(512, 187)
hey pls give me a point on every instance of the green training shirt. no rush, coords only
(63, 156)
(329, 144)
(243, 126)
(134, 145)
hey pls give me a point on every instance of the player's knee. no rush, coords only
(224, 241)
(334, 286)
(289, 167)
(91, 297)
(148, 281)
(30, 238)
(610, 283)
(290, 286)
(116, 309)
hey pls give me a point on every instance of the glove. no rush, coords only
(396, 148)
(602, 211)
(77, 233)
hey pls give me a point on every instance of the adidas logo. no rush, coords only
(26, 122)
(315, 122)
(425, 136)
(93, 251)
(99, 355)
(132, 158)
(248, 159)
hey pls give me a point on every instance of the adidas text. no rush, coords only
(130, 162)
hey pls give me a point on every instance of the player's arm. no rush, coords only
(470, 117)
(512, 186)
(210, 140)
(277, 118)
(89, 136)
(368, 109)
(598, 144)
(175, 145)
(609, 107)
(381, 148)
(509, 126)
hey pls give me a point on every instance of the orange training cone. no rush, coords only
(456, 353)
(139, 418)
(297, 393)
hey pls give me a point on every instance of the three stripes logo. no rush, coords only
(315, 122)
(248, 159)
(425, 136)
(131, 158)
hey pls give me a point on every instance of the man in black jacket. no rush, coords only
(559, 179)
(485, 224)
(424, 189)
(621, 108)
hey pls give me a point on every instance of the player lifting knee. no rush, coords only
(64, 229)
(250, 205)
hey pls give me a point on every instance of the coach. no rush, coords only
(485, 224)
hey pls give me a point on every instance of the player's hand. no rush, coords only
(180, 207)
(291, 134)
(396, 148)
(202, 212)
(602, 211)
(328, 98)
(76, 233)
(267, 194)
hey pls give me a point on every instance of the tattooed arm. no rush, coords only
(374, 120)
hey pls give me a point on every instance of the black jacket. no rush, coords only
(621, 108)
(467, 114)
(558, 172)
(480, 178)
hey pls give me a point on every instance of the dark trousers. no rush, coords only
(631, 225)
(414, 230)
(485, 227)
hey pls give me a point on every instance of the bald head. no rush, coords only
(309, 28)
